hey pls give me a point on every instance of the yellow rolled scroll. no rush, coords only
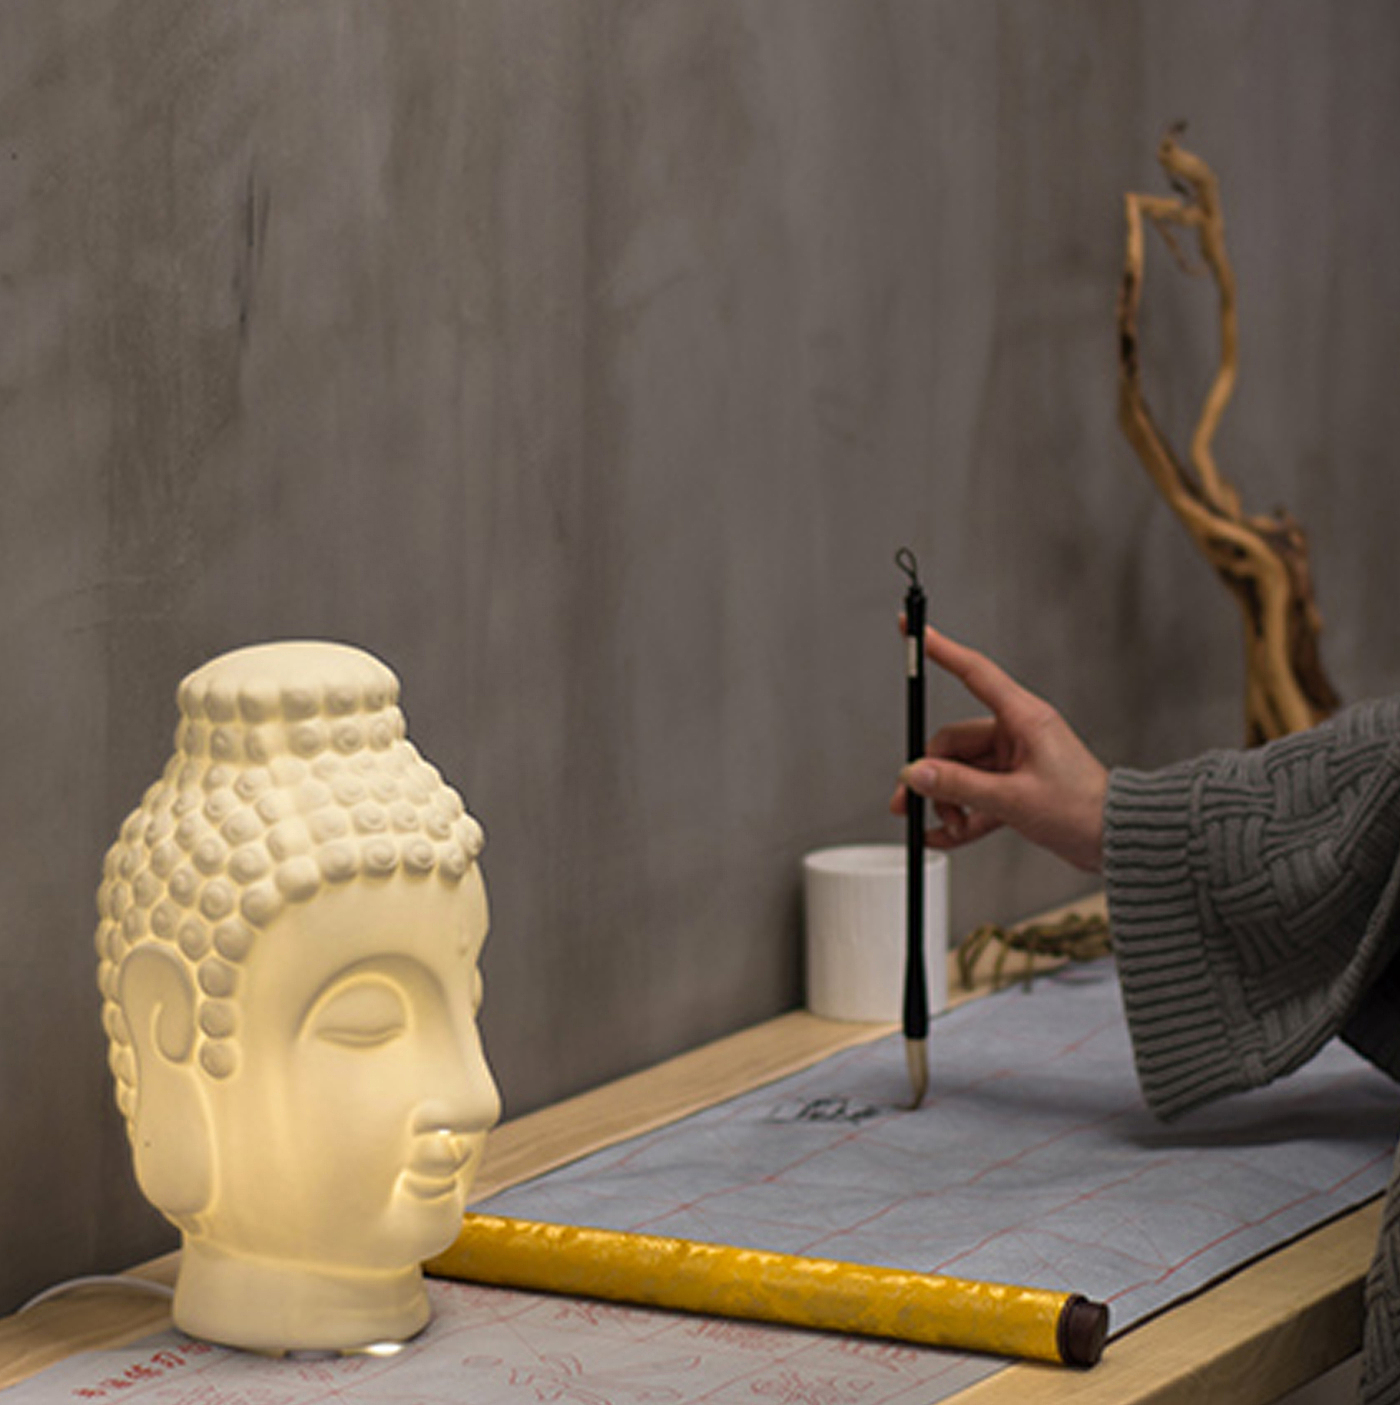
(751, 1283)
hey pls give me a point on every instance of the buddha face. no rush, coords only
(348, 1136)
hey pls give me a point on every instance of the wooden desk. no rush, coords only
(1262, 1332)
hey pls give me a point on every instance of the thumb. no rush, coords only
(956, 784)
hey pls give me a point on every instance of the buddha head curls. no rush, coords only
(276, 790)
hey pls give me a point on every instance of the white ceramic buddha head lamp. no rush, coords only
(290, 926)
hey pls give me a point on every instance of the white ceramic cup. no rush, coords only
(854, 899)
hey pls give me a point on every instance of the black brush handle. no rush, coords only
(915, 977)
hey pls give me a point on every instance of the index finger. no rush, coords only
(986, 681)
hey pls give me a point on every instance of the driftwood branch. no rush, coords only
(1263, 560)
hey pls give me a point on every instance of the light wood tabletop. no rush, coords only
(1260, 1333)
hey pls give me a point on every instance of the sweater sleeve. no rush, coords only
(1255, 905)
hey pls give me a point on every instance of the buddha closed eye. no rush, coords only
(360, 1013)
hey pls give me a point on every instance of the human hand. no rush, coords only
(1022, 767)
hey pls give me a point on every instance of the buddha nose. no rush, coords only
(441, 1151)
(464, 1098)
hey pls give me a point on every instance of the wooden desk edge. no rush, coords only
(1261, 1332)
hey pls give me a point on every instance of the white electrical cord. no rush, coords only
(162, 1290)
(110, 1280)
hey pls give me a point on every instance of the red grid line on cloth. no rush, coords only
(1020, 1227)
(1244, 1226)
(871, 1135)
(771, 1178)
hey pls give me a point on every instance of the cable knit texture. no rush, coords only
(1255, 901)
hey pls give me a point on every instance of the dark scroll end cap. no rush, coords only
(1082, 1331)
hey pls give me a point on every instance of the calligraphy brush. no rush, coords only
(915, 977)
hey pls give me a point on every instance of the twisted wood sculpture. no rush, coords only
(1263, 560)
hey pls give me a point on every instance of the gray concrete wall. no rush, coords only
(588, 360)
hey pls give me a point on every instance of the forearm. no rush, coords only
(1246, 889)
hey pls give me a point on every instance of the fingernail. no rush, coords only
(919, 775)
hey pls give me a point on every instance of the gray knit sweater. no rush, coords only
(1255, 902)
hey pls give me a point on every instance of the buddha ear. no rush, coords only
(171, 1134)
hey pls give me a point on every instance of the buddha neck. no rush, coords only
(270, 1305)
